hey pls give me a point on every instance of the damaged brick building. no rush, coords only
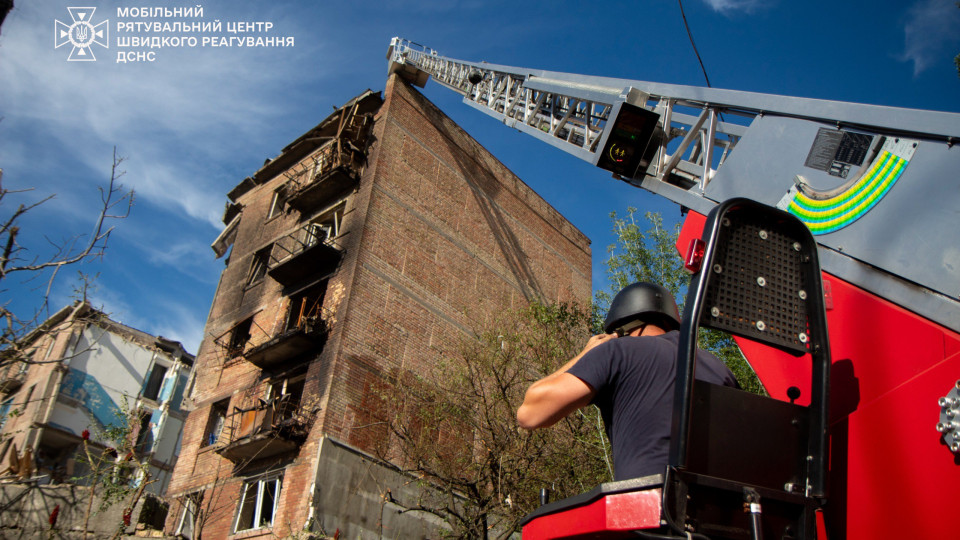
(377, 239)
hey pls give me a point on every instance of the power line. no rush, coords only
(690, 35)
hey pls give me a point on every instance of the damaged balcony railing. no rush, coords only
(336, 167)
(307, 332)
(307, 252)
(268, 428)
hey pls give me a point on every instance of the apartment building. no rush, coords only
(371, 244)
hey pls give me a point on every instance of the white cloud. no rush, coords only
(155, 112)
(179, 324)
(729, 6)
(929, 32)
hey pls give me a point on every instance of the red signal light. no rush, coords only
(694, 257)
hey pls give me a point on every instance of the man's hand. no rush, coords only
(598, 339)
(558, 394)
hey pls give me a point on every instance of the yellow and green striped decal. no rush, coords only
(828, 215)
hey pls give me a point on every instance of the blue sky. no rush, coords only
(197, 120)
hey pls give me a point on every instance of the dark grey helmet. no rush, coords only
(647, 302)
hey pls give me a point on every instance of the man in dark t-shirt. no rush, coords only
(629, 374)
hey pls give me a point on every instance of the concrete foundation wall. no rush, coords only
(354, 493)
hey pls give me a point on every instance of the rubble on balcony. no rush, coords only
(269, 428)
(336, 169)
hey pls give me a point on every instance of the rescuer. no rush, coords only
(628, 373)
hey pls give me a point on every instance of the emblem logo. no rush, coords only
(82, 34)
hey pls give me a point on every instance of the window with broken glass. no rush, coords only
(258, 267)
(258, 502)
(325, 227)
(188, 519)
(306, 308)
(239, 336)
(277, 203)
(284, 397)
(218, 417)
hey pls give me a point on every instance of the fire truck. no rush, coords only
(824, 237)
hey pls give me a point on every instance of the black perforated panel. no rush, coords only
(756, 283)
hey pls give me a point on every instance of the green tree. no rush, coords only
(455, 428)
(649, 254)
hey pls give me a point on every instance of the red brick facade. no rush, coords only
(433, 239)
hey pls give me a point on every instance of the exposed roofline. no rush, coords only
(368, 101)
(78, 309)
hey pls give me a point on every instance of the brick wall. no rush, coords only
(439, 237)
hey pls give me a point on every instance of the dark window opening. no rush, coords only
(239, 337)
(152, 389)
(278, 203)
(258, 267)
(218, 417)
(306, 307)
(258, 503)
(285, 396)
(191, 508)
(144, 433)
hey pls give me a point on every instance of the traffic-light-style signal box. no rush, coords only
(626, 147)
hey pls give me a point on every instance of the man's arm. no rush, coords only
(558, 394)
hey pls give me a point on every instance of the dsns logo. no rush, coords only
(82, 34)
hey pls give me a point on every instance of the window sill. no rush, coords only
(253, 533)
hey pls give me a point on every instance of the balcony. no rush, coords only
(308, 335)
(307, 252)
(268, 429)
(11, 381)
(337, 169)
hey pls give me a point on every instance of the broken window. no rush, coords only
(284, 397)
(218, 417)
(306, 307)
(239, 337)
(151, 390)
(144, 433)
(277, 203)
(258, 503)
(188, 520)
(325, 227)
(258, 267)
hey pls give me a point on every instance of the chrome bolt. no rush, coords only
(715, 311)
(717, 269)
(802, 337)
(943, 427)
(802, 294)
(761, 281)
(955, 446)
(797, 246)
(761, 326)
(726, 222)
(763, 235)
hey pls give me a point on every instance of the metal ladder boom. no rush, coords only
(698, 131)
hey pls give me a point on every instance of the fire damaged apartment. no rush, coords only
(377, 240)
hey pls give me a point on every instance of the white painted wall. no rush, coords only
(106, 376)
